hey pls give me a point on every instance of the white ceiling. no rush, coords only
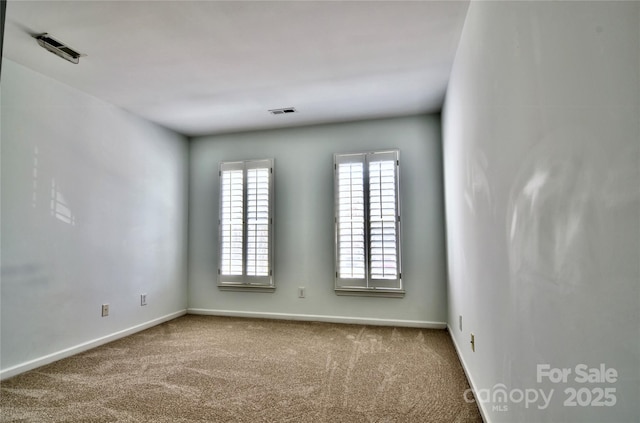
(206, 67)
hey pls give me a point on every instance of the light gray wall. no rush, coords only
(304, 243)
(94, 210)
(541, 156)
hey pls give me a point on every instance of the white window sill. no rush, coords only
(371, 292)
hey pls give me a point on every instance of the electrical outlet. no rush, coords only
(460, 322)
(143, 299)
(105, 310)
(301, 292)
(473, 343)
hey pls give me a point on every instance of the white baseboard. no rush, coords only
(321, 318)
(481, 406)
(50, 358)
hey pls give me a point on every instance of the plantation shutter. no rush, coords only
(245, 226)
(351, 219)
(231, 217)
(383, 219)
(367, 222)
(257, 220)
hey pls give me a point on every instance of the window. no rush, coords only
(367, 224)
(246, 225)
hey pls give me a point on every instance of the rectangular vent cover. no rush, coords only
(58, 48)
(282, 111)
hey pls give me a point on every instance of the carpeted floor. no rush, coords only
(217, 369)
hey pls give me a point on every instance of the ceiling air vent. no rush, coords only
(284, 111)
(58, 48)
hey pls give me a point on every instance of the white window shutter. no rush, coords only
(383, 219)
(367, 221)
(231, 225)
(246, 220)
(351, 221)
(258, 222)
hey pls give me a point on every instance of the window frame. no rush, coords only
(246, 282)
(368, 286)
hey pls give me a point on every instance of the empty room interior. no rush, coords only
(320, 211)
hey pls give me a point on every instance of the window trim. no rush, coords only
(367, 286)
(245, 282)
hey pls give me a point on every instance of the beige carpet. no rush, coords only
(217, 369)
